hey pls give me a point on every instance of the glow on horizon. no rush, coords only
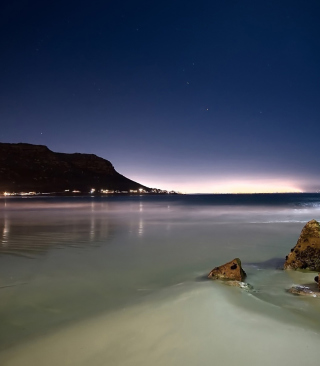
(254, 188)
(231, 186)
(244, 190)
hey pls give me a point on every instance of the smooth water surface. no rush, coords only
(120, 281)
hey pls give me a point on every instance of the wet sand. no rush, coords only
(184, 325)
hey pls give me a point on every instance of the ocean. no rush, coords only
(121, 280)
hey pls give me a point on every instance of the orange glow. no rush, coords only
(229, 185)
(244, 187)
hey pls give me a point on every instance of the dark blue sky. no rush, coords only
(197, 96)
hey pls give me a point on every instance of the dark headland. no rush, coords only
(35, 168)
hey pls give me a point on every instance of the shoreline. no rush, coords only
(179, 325)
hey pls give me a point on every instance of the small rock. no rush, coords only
(244, 285)
(304, 291)
(229, 271)
(306, 253)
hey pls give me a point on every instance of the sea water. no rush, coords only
(121, 281)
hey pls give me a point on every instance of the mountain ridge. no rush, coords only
(27, 167)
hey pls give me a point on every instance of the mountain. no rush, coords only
(35, 168)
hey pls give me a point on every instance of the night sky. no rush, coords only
(195, 96)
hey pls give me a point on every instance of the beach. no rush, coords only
(121, 281)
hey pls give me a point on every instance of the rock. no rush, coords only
(244, 285)
(306, 290)
(229, 271)
(306, 253)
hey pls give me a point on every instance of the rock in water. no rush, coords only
(229, 271)
(244, 285)
(306, 253)
(304, 291)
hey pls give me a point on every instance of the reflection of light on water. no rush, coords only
(5, 232)
(140, 231)
(92, 222)
(92, 228)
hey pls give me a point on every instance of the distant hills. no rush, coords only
(35, 168)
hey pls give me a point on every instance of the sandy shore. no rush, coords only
(185, 325)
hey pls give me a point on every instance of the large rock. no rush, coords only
(306, 253)
(229, 271)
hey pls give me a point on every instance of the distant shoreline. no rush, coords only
(57, 194)
(172, 193)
